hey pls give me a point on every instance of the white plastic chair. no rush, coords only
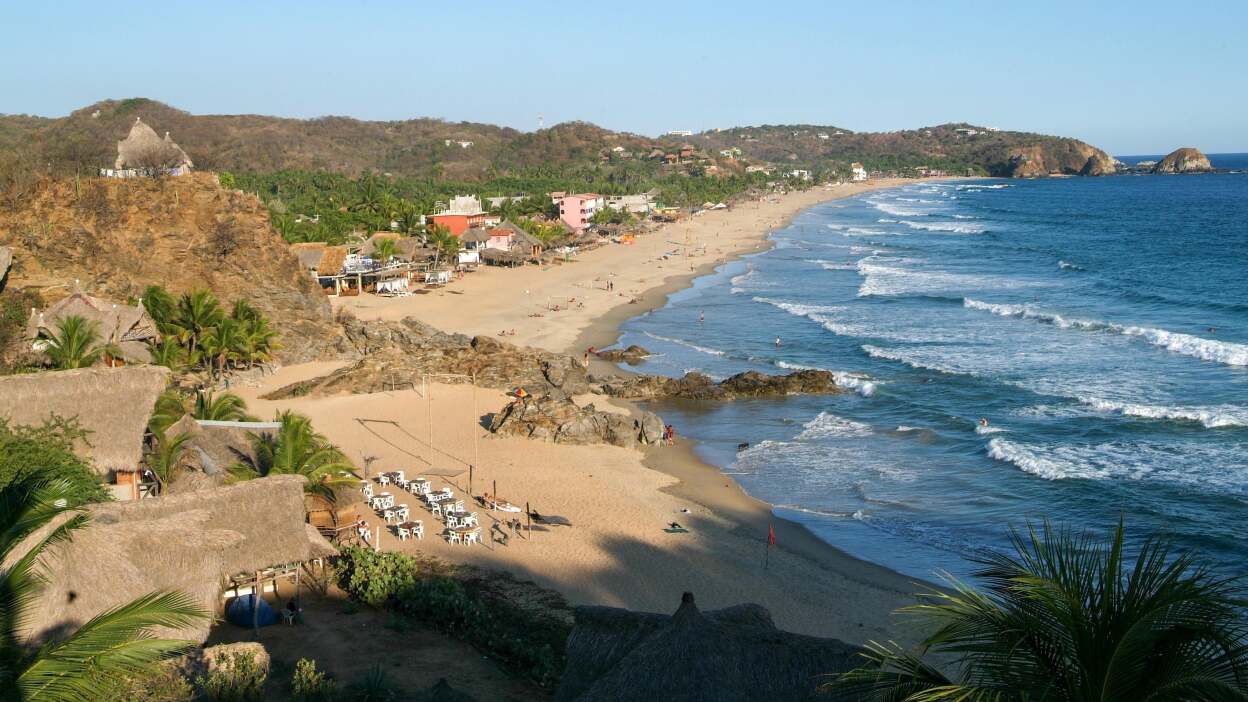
(368, 490)
(404, 533)
(470, 520)
(454, 537)
(383, 479)
(436, 508)
(473, 537)
(391, 517)
(419, 530)
(399, 476)
(402, 512)
(452, 521)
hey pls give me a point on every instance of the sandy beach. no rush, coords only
(618, 501)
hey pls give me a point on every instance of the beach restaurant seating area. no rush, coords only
(461, 526)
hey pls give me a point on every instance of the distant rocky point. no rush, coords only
(1184, 160)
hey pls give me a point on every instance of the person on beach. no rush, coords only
(777, 342)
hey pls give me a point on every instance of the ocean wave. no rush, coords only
(887, 208)
(1068, 266)
(983, 430)
(891, 280)
(834, 266)
(907, 359)
(861, 384)
(1225, 352)
(885, 220)
(1210, 417)
(980, 186)
(687, 344)
(827, 425)
(865, 231)
(797, 308)
(944, 227)
(1032, 461)
(962, 216)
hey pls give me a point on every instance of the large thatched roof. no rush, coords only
(189, 542)
(143, 148)
(113, 404)
(128, 326)
(332, 260)
(309, 253)
(728, 655)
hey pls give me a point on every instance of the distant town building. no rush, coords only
(800, 174)
(680, 133)
(637, 204)
(822, 135)
(966, 131)
(577, 210)
(859, 173)
(463, 213)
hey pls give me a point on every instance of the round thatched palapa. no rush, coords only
(728, 655)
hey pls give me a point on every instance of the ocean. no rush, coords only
(1100, 325)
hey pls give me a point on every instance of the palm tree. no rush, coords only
(76, 343)
(115, 643)
(1068, 618)
(168, 353)
(198, 311)
(162, 308)
(442, 241)
(298, 450)
(243, 311)
(383, 250)
(165, 460)
(226, 407)
(222, 342)
(257, 340)
(170, 407)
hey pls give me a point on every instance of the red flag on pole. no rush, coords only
(771, 534)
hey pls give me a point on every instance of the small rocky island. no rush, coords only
(1184, 160)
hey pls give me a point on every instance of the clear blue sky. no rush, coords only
(1131, 77)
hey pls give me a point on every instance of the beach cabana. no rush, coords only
(112, 404)
(728, 655)
(128, 327)
(198, 543)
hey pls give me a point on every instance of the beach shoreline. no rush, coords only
(618, 554)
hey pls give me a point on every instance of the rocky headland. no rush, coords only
(1184, 160)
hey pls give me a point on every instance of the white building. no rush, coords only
(637, 204)
(680, 133)
(800, 174)
(860, 173)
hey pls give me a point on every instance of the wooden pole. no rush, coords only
(529, 516)
(255, 607)
(429, 412)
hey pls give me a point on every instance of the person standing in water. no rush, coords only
(777, 342)
(701, 317)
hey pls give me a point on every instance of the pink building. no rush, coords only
(577, 210)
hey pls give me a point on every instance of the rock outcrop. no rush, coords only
(632, 355)
(697, 386)
(397, 355)
(555, 417)
(114, 237)
(1184, 160)
(1060, 157)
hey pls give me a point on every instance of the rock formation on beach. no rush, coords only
(632, 355)
(1184, 160)
(397, 356)
(555, 417)
(697, 386)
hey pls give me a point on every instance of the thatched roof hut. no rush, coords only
(129, 327)
(189, 542)
(728, 655)
(212, 447)
(333, 258)
(113, 404)
(143, 148)
(370, 246)
(309, 254)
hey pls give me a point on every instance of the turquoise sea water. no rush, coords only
(1099, 324)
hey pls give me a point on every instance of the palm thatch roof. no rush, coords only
(498, 256)
(475, 235)
(309, 253)
(332, 260)
(211, 448)
(409, 249)
(116, 323)
(370, 246)
(728, 655)
(143, 148)
(112, 404)
(189, 542)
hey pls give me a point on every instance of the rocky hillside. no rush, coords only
(114, 237)
(1184, 160)
(86, 139)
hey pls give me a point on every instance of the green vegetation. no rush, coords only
(298, 450)
(524, 642)
(237, 678)
(1069, 618)
(15, 307)
(311, 685)
(47, 452)
(76, 343)
(113, 644)
(198, 333)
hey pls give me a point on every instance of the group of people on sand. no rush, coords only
(504, 332)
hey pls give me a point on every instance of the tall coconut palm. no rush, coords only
(166, 457)
(198, 312)
(162, 308)
(168, 353)
(221, 343)
(384, 250)
(257, 341)
(76, 343)
(114, 643)
(298, 450)
(1069, 618)
(170, 407)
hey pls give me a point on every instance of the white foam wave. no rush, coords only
(907, 359)
(1226, 352)
(891, 280)
(944, 227)
(985, 430)
(980, 186)
(797, 308)
(1068, 266)
(827, 425)
(687, 344)
(1210, 417)
(1032, 461)
(891, 209)
(859, 383)
(832, 266)
(885, 220)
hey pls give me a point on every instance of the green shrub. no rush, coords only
(238, 678)
(311, 685)
(372, 686)
(524, 642)
(163, 683)
(47, 450)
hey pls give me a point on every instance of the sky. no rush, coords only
(1137, 77)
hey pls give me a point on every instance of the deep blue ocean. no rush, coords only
(1100, 325)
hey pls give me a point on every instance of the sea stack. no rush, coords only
(1184, 160)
